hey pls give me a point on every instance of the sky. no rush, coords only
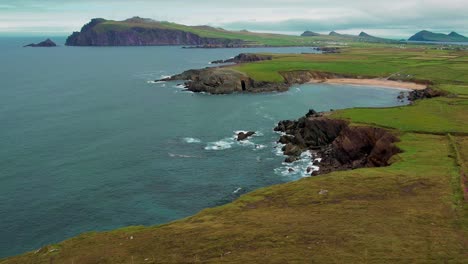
(385, 18)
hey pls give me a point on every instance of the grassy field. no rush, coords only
(439, 66)
(252, 37)
(410, 212)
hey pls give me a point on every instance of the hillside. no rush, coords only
(413, 211)
(438, 37)
(362, 37)
(138, 31)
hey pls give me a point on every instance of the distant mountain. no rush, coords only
(362, 37)
(426, 35)
(309, 34)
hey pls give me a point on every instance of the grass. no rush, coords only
(440, 116)
(410, 212)
(402, 213)
(439, 66)
(252, 37)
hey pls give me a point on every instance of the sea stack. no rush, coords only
(44, 44)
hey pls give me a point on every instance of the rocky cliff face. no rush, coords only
(137, 34)
(339, 145)
(224, 81)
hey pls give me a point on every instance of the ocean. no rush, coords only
(89, 143)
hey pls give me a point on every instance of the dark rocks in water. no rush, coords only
(290, 170)
(292, 150)
(291, 159)
(401, 96)
(243, 136)
(424, 94)
(44, 44)
(309, 34)
(224, 81)
(339, 145)
(245, 57)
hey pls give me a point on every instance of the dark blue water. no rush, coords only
(86, 143)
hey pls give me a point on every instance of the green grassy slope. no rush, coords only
(410, 212)
(439, 66)
(211, 32)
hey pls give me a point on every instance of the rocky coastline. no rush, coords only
(140, 32)
(335, 143)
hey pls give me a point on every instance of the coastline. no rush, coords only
(384, 83)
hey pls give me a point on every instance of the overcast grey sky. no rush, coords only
(384, 18)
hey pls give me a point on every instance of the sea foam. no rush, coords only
(191, 140)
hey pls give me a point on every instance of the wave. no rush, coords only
(237, 190)
(180, 156)
(220, 145)
(191, 140)
(303, 167)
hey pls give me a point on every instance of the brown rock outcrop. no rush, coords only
(339, 145)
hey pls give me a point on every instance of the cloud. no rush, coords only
(392, 18)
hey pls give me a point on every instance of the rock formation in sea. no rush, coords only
(245, 57)
(339, 145)
(44, 44)
(140, 32)
(244, 135)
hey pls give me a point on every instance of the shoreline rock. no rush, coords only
(224, 81)
(243, 136)
(245, 57)
(338, 145)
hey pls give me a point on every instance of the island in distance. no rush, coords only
(44, 44)
(438, 37)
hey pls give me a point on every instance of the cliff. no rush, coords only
(142, 32)
(339, 145)
(224, 81)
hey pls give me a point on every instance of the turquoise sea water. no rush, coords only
(87, 143)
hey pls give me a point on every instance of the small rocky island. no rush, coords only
(44, 44)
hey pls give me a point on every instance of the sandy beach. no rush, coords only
(375, 82)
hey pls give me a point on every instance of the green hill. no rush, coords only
(138, 31)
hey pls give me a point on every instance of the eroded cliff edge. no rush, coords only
(139, 32)
(338, 145)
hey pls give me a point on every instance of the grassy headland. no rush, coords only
(410, 212)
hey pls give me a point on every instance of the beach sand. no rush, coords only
(374, 82)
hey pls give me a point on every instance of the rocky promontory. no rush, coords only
(44, 44)
(338, 145)
(244, 58)
(224, 81)
(138, 31)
